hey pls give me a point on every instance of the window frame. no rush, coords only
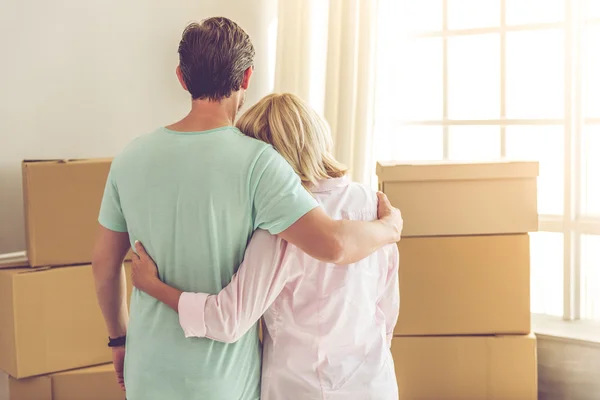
(572, 223)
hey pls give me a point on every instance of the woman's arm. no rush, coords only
(227, 316)
(389, 302)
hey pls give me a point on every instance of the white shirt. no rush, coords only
(328, 327)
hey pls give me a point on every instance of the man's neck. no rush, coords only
(206, 115)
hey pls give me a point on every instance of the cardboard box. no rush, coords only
(50, 321)
(464, 285)
(94, 383)
(463, 199)
(466, 368)
(62, 201)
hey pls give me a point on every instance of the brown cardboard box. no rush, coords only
(466, 368)
(62, 200)
(50, 321)
(464, 285)
(94, 383)
(462, 199)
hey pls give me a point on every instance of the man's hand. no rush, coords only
(118, 356)
(389, 215)
(144, 273)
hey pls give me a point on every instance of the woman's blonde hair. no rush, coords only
(297, 132)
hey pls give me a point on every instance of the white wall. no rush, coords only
(81, 79)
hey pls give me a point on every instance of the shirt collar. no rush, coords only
(326, 185)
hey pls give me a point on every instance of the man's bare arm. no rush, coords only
(344, 242)
(109, 276)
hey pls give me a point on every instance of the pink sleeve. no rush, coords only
(228, 315)
(389, 301)
(191, 313)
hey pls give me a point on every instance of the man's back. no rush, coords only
(194, 200)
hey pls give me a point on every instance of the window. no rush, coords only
(489, 79)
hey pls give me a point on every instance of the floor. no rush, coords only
(568, 369)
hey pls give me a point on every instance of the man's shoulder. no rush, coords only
(140, 144)
(262, 154)
(244, 149)
(248, 143)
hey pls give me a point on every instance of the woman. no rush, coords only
(328, 327)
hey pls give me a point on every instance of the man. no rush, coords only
(193, 193)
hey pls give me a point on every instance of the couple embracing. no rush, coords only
(234, 219)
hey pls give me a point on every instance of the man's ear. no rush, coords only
(247, 76)
(180, 78)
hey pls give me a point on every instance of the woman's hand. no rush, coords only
(144, 274)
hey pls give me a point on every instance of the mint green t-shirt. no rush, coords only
(193, 200)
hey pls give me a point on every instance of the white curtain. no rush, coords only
(326, 55)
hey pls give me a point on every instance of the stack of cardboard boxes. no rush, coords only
(50, 321)
(464, 326)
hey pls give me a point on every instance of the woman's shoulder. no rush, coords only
(367, 194)
(361, 203)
